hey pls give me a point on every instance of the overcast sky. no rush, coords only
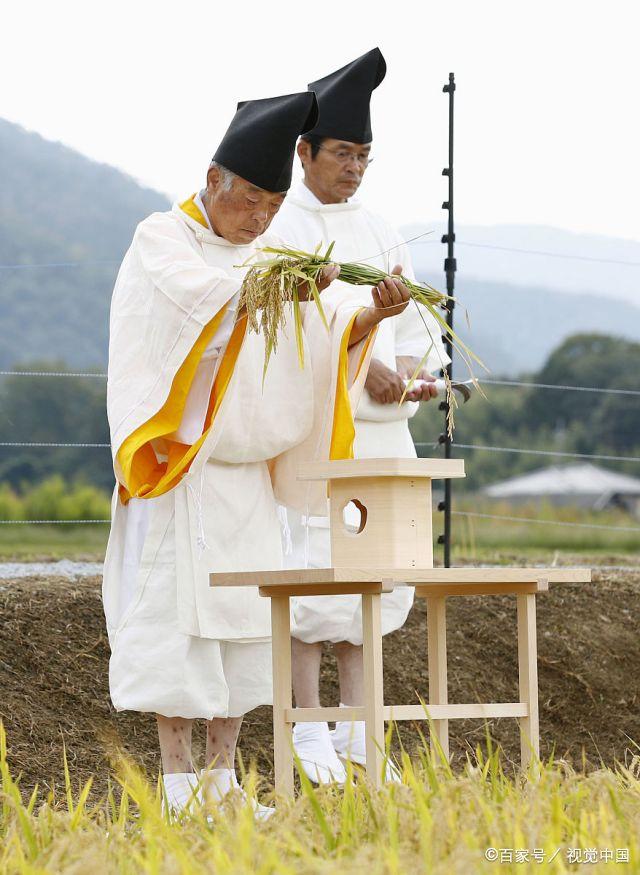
(546, 106)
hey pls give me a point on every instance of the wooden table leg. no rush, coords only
(373, 686)
(437, 655)
(528, 673)
(282, 698)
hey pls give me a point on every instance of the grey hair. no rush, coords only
(226, 176)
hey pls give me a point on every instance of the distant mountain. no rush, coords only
(57, 206)
(569, 262)
(514, 328)
(522, 305)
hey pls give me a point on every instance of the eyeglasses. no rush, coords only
(342, 156)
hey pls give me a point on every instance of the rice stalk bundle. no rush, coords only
(271, 285)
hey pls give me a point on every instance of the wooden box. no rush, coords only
(393, 501)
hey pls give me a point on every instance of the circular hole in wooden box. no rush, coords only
(354, 517)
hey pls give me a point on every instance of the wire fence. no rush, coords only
(473, 514)
(421, 444)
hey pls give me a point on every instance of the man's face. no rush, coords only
(336, 172)
(241, 213)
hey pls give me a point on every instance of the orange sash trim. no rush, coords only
(344, 431)
(191, 209)
(146, 477)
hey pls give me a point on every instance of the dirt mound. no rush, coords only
(54, 686)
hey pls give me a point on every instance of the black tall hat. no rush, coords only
(260, 141)
(344, 97)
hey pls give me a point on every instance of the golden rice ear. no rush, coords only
(297, 321)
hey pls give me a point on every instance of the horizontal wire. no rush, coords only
(51, 374)
(517, 383)
(567, 455)
(559, 386)
(550, 254)
(525, 519)
(50, 522)
(47, 444)
(544, 252)
(57, 264)
(487, 516)
(571, 256)
(417, 444)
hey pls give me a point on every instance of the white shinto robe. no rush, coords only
(201, 451)
(381, 429)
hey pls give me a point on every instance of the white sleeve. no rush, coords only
(177, 270)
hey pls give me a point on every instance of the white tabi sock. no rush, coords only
(182, 791)
(348, 739)
(349, 742)
(312, 744)
(220, 782)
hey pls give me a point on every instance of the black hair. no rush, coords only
(315, 142)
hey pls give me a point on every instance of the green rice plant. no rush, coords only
(271, 285)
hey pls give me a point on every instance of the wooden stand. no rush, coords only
(397, 526)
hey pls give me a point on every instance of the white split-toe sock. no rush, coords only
(220, 782)
(349, 742)
(182, 792)
(312, 744)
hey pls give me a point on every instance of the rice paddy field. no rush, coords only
(79, 782)
(477, 820)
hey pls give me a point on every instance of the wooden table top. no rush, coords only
(408, 576)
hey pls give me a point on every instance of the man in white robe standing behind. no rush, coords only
(203, 449)
(320, 210)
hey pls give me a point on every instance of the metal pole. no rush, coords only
(450, 272)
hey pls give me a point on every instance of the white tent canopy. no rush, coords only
(580, 483)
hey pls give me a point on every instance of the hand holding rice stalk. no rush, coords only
(292, 275)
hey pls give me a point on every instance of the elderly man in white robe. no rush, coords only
(202, 448)
(322, 209)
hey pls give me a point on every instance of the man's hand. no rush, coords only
(390, 297)
(328, 274)
(407, 365)
(383, 384)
